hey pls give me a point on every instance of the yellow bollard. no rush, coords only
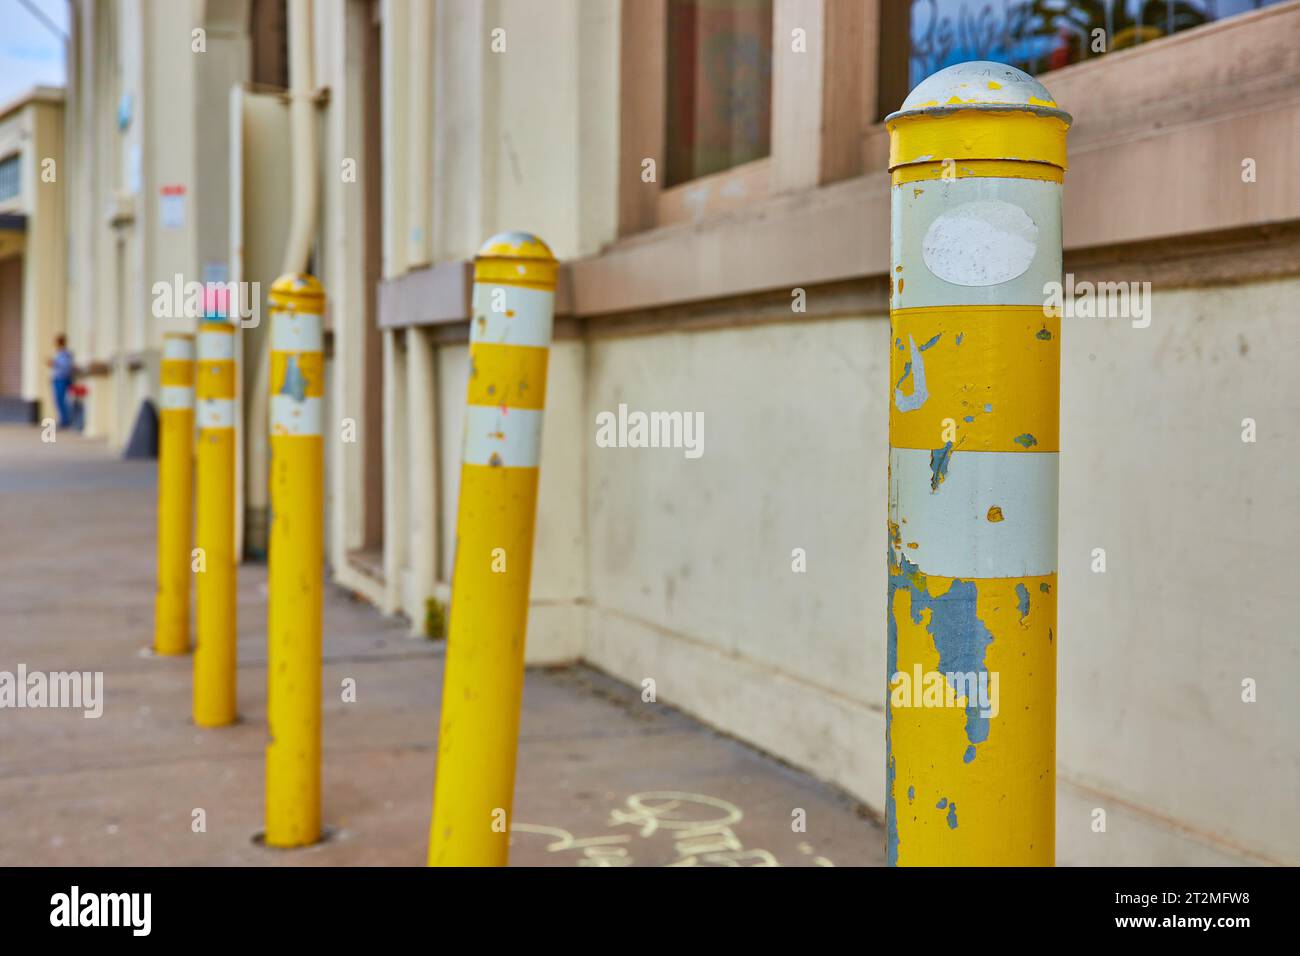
(293, 750)
(175, 495)
(214, 530)
(977, 157)
(510, 335)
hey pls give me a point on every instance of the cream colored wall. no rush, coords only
(420, 577)
(556, 134)
(107, 156)
(453, 384)
(264, 184)
(141, 48)
(341, 27)
(225, 64)
(170, 129)
(526, 138)
(1199, 593)
(397, 475)
(464, 130)
(130, 320)
(479, 141)
(520, 139)
(82, 195)
(44, 285)
(691, 581)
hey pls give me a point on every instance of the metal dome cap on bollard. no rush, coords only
(979, 110)
(297, 292)
(516, 258)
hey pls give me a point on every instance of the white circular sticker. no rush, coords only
(980, 243)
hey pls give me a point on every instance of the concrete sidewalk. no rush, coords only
(603, 778)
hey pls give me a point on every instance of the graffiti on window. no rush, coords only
(1042, 35)
(719, 93)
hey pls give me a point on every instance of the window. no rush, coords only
(727, 103)
(10, 182)
(1042, 35)
(718, 108)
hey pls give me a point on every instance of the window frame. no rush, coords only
(809, 146)
(894, 70)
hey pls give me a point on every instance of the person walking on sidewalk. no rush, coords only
(62, 369)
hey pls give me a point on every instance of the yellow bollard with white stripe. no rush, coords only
(214, 528)
(510, 337)
(295, 563)
(175, 495)
(977, 157)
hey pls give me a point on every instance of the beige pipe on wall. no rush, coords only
(302, 227)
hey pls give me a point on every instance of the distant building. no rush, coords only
(32, 250)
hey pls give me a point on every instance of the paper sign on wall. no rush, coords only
(171, 207)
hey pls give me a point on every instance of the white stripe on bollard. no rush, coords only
(954, 531)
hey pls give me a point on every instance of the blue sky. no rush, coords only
(29, 52)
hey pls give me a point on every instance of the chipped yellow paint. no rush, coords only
(214, 532)
(175, 513)
(974, 786)
(310, 364)
(975, 168)
(484, 675)
(992, 132)
(1002, 375)
(214, 589)
(293, 632)
(512, 376)
(294, 578)
(176, 373)
(1005, 796)
(483, 685)
(215, 380)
